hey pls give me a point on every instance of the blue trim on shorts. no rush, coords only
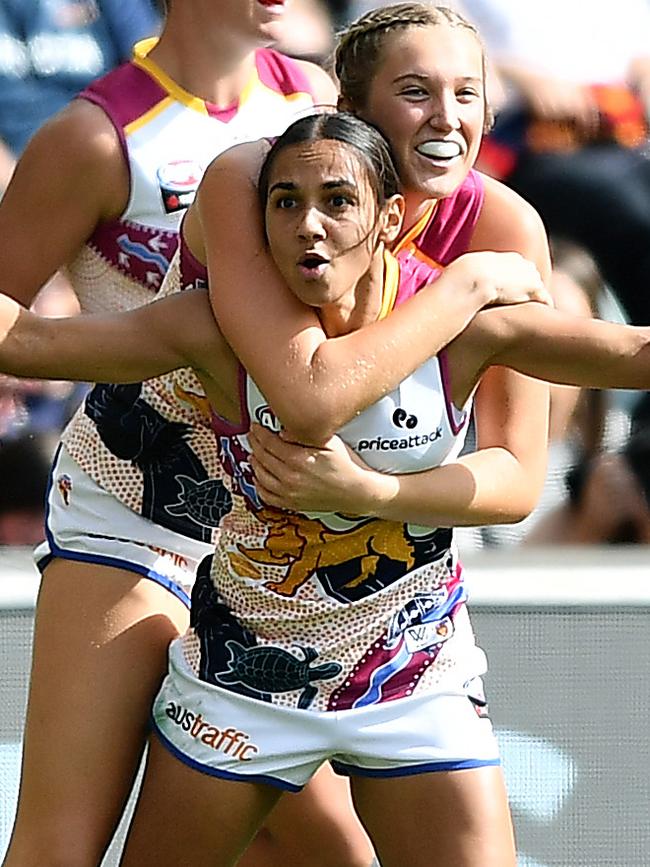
(224, 775)
(101, 560)
(167, 583)
(344, 770)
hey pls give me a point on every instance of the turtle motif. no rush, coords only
(206, 503)
(273, 669)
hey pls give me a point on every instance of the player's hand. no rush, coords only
(329, 478)
(502, 278)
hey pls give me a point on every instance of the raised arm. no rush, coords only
(559, 348)
(315, 385)
(500, 482)
(177, 331)
(545, 343)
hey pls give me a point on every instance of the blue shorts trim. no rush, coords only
(410, 770)
(224, 775)
(115, 562)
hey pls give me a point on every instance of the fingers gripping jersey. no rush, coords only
(151, 445)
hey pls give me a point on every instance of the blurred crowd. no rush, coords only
(570, 87)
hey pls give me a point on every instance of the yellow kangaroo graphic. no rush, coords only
(305, 546)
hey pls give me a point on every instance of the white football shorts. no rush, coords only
(85, 523)
(224, 734)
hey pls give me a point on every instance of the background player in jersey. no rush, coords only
(330, 208)
(129, 155)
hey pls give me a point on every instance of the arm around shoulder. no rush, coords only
(315, 385)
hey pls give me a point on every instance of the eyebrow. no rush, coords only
(336, 183)
(466, 79)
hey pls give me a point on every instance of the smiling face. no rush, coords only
(427, 97)
(324, 224)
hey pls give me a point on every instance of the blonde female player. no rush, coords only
(326, 636)
(416, 71)
(129, 155)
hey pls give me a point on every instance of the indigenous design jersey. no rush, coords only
(151, 445)
(330, 611)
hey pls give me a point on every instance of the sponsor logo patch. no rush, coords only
(64, 487)
(427, 635)
(178, 182)
(229, 741)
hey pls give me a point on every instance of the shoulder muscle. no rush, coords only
(71, 176)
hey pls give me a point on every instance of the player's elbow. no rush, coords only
(512, 514)
(310, 426)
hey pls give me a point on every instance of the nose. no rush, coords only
(311, 226)
(444, 112)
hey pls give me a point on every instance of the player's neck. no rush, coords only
(214, 67)
(416, 207)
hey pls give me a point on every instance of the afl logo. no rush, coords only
(265, 416)
(178, 182)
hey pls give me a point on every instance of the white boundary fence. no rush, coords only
(567, 636)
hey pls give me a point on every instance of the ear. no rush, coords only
(391, 219)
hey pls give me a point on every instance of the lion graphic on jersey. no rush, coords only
(307, 545)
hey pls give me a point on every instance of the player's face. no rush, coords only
(321, 221)
(428, 99)
(261, 19)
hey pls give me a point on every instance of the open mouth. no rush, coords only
(273, 4)
(312, 265)
(440, 150)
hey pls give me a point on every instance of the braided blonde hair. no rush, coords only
(359, 47)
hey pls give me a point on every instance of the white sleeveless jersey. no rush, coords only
(366, 610)
(415, 427)
(168, 138)
(151, 445)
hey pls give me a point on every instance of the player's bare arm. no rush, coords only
(79, 153)
(315, 385)
(178, 331)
